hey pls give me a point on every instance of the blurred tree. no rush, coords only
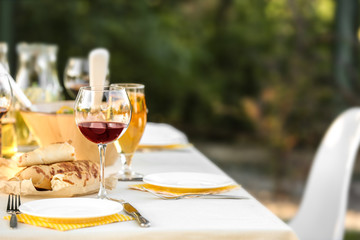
(294, 105)
(346, 74)
(6, 30)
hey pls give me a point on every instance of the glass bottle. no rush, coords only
(56, 89)
(8, 136)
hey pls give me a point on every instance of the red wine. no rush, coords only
(3, 111)
(101, 132)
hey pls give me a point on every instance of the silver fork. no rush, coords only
(206, 195)
(13, 208)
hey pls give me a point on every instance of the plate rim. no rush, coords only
(42, 215)
(227, 183)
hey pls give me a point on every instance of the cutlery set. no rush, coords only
(193, 195)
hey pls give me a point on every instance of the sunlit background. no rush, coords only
(254, 84)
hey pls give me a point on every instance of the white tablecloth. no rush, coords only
(171, 219)
(162, 134)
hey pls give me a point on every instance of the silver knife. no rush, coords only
(129, 209)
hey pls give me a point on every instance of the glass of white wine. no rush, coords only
(5, 98)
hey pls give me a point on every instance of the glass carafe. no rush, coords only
(37, 73)
(37, 76)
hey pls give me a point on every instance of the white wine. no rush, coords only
(8, 137)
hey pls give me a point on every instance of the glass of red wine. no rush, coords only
(5, 98)
(102, 114)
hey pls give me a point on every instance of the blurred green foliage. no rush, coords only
(215, 68)
(352, 235)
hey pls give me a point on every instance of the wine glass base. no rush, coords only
(102, 194)
(130, 177)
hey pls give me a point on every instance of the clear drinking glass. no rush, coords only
(129, 142)
(76, 75)
(5, 98)
(102, 115)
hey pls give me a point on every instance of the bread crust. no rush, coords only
(78, 173)
(53, 153)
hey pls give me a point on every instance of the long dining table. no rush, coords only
(193, 218)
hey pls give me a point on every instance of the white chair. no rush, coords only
(322, 211)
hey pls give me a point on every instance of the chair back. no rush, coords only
(321, 214)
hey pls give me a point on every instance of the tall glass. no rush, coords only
(5, 98)
(129, 142)
(102, 115)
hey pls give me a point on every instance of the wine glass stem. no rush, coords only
(102, 191)
(127, 164)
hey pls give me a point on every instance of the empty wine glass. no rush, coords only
(129, 142)
(5, 98)
(102, 115)
(76, 75)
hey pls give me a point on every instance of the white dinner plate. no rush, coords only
(188, 180)
(161, 134)
(71, 208)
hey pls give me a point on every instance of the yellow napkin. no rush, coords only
(64, 226)
(183, 191)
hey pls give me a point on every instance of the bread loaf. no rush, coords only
(76, 173)
(57, 152)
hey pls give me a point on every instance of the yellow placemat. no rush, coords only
(144, 147)
(182, 191)
(58, 225)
